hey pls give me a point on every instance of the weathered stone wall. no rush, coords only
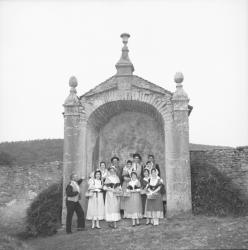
(231, 162)
(131, 132)
(24, 182)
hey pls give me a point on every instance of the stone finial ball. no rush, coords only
(178, 77)
(73, 82)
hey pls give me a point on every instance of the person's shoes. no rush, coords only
(133, 225)
(69, 232)
(81, 229)
(98, 227)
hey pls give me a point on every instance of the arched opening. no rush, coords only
(122, 128)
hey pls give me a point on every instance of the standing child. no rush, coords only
(144, 185)
(154, 203)
(134, 204)
(95, 211)
(112, 201)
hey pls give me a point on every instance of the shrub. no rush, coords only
(214, 194)
(44, 214)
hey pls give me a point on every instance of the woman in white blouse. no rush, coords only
(95, 211)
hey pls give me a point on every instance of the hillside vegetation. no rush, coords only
(47, 150)
(35, 151)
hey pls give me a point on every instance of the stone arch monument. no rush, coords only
(127, 114)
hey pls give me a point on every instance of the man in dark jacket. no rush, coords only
(115, 163)
(72, 203)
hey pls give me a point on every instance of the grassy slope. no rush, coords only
(35, 151)
(46, 150)
(197, 232)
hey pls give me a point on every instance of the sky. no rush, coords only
(43, 43)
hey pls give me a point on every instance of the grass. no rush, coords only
(196, 232)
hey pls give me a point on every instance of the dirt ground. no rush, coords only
(195, 232)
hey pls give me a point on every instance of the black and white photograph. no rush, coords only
(123, 124)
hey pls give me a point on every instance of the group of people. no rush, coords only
(134, 191)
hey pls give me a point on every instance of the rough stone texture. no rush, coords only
(131, 132)
(16, 182)
(22, 182)
(110, 101)
(178, 179)
(88, 127)
(231, 162)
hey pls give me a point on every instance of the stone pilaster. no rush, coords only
(71, 135)
(178, 169)
(82, 154)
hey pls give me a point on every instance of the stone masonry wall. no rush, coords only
(131, 132)
(231, 162)
(25, 182)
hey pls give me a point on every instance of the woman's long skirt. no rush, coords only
(124, 198)
(112, 207)
(95, 209)
(154, 208)
(133, 207)
(143, 199)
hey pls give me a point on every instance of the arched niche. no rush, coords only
(122, 128)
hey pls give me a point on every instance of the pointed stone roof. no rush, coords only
(124, 76)
(124, 66)
(134, 80)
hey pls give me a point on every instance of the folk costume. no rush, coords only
(154, 207)
(144, 185)
(149, 167)
(104, 173)
(73, 205)
(126, 177)
(156, 166)
(112, 201)
(95, 209)
(133, 204)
